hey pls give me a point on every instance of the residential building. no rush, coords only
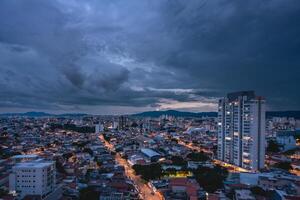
(123, 122)
(37, 178)
(241, 130)
(99, 128)
(153, 156)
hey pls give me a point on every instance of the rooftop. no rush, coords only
(149, 152)
(25, 156)
(34, 164)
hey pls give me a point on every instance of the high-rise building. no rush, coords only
(241, 130)
(35, 178)
(123, 122)
(99, 128)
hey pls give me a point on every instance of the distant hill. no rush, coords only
(295, 114)
(41, 114)
(175, 113)
(27, 114)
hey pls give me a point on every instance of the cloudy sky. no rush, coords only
(126, 56)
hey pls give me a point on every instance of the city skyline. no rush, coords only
(120, 57)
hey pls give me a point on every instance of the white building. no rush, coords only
(241, 130)
(99, 128)
(286, 139)
(152, 155)
(36, 178)
(115, 125)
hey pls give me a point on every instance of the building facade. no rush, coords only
(241, 130)
(35, 178)
(123, 122)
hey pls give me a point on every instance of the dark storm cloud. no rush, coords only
(63, 55)
(234, 45)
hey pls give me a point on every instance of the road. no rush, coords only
(230, 167)
(145, 190)
(193, 147)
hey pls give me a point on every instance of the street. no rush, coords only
(145, 190)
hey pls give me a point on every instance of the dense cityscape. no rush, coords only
(149, 100)
(143, 157)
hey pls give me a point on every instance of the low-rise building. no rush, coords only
(37, 178)
(152, 155)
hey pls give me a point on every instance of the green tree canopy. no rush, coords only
(198, 156)
(273, 147)
(283, 165)
(258, 191)
(147, 172)
(178, 160)
(211, 179)
(88, 194)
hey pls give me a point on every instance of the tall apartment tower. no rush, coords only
(123, 122)
(241, 130)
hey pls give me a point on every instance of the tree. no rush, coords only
(60, 168)
(283, 165)
(99, 163)
(81, 144)
(258, 191)
(211, 179)
(174, 140)
(3, 192)
(171, 171)
(4, 154)
(147, 172)
(291, 151)
(88, 194)
(134, 125)
(68, 155)
(200, 157)
(195, 142)
(273, 147)
(89, 151)
(73, 127)
(106, 137)
(178, 160)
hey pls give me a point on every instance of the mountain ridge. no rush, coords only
(295, 114)
(40, 114)
(175, 113)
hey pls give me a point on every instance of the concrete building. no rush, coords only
(241, 130)
(123, 122)
(150, 154)
(115, 125)
(34, 178)
(99, 128)
(286, 139)
(286, 183)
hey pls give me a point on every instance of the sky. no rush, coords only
(128, 56)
